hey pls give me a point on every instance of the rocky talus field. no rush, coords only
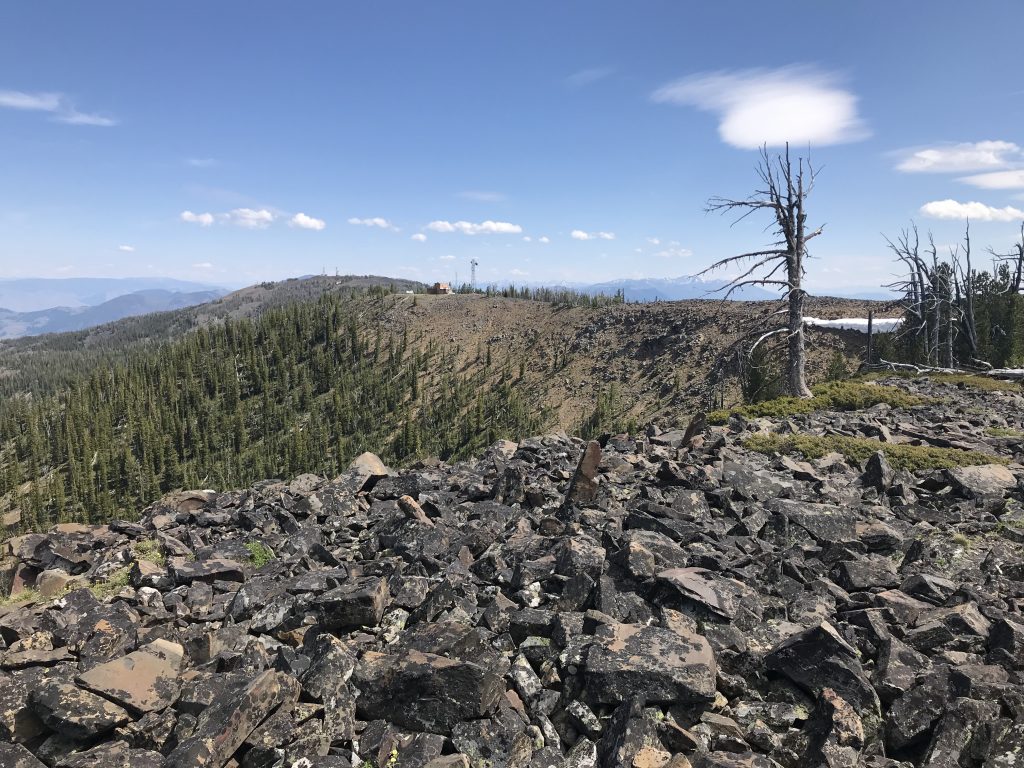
(675, 598)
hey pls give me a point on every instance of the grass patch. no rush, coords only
(259, 553)
(858, 449)
(976, 381)
(149, 550)
(1003, 432)
(836, 395)
(22, 597)
(112, 585)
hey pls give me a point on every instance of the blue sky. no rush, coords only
(232, 142)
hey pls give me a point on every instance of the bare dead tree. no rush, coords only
(919, 287)
(964, 284)
(1015, 258)
(784, 192)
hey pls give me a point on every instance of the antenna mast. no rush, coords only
(472, 266)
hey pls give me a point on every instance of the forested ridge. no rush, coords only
(302, 388)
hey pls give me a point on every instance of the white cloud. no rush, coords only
(527, 239)
(653, 241)
(376, 221)
(961, 158)
(951, 209)
(242, 217)
(998, 179)
(675, 251)
(798, 104)
(588, 76)
(545, 239)
(250, 218)
(202, 219)
(126, 248)
(470, 228)
(302, 221)
(482, 196)
(203, 265)
(448, 257)
(201, 162)
(579, 234)
(419, 237)
(518, 272)
(57, 104)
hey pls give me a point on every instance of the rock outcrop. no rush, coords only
(670, 599)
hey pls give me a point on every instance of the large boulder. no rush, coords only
(424, 691)
(143, 681)
(663, 666)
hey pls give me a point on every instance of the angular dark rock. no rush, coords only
(625, 660)
(74, 712)
(423, 691)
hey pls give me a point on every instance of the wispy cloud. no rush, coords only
(961, 158)
(202, 265)
(302, 221)
(997, 179)
(482, 196)
(518, 273)
(579, 234)
(798, 104)
(376, 221)
(419, 237)
(588, 76)
(674, 251)
(952, 209)
(126, 248)
(59, 106)
(447, 257)
(544, 239)
(201, 162)
(471, 228)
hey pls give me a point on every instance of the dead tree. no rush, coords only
(784, 192)
(1015, 259)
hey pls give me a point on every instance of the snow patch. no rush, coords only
(881, 324)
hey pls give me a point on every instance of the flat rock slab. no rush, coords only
(984, 480)
(664, 666)
(143, 681)
(825, 523)
(74, 712)
(423, 691)
(228, 723)
(214, 569)
(16, 756)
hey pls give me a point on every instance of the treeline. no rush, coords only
(956, 315)
(302, 388)
(559, 297)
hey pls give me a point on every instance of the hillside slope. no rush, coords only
(309, 384)
(15, 325)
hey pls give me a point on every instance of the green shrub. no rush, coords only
(1003, 432)
(149, 550)
(858, 449)
(259, 553)
(837, 370)
(112, 585)
(837, 395)
(22, 597)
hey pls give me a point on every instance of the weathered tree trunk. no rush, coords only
(796, 380)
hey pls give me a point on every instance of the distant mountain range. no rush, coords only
(36, 293)
(56, 319)
(675, 289)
